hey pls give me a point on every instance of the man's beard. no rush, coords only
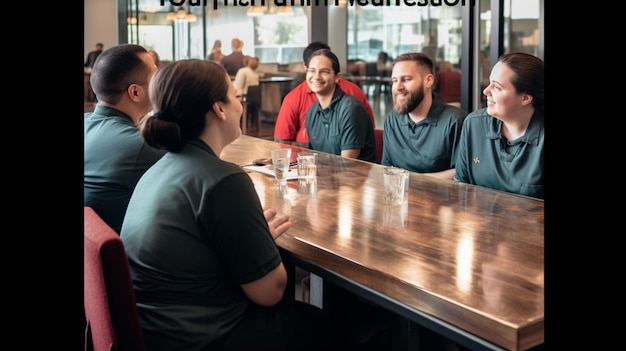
(409, 104)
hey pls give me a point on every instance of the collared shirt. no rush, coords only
(427, 146)
(291, 119)
(487, 159)
(194, 232)
(115, 157)
(342, 125)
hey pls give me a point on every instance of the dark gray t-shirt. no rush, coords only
(194, 232)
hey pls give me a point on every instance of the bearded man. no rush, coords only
(422, 132)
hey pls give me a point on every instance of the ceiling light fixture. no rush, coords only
(285, 11)
(171, 15)
(255, 11)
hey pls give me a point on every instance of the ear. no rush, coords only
(218, 110)
(527, 99)
(429, 80)
(133, 92)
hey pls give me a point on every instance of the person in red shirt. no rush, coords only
(448, 83)
(290, 125)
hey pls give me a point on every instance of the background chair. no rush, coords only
(253, 100)
(378, 135)
(109, 297)
(371, 71)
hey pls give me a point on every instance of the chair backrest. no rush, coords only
(253, 96)
(378, 135)
(109, 297)
(371, 69)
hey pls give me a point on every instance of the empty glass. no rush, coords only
(280, 162)
(307, 165)
(394, 180)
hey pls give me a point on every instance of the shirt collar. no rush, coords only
(111, 112)
(531, 136)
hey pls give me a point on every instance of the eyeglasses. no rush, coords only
(324, 71)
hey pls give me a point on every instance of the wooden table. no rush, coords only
(464, 261)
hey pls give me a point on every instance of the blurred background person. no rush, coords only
(92, 56)
(246, 75)
(383, 64)
(383, 69)
(216, 54)
(448, 83)
(89, 95)
(155, 57)
(202, 251)
(501, 145)
(234, 61)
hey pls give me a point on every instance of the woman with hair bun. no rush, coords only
(206, 270)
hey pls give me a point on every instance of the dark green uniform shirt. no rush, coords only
(487, 159)
(343, 125)
(427, 146)
(194, 231)
(115, 157)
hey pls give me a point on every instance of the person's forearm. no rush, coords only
(447, 174)
(351, 153)
(290, 142)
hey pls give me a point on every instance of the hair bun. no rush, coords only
(163, 116)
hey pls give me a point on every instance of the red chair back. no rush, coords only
(109, 297)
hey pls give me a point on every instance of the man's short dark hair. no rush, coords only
(115, 69)
(313, 47)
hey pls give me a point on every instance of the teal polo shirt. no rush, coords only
(115, 157)
(427, 146)
(488, 159)
(343, 125)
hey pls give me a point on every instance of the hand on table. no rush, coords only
(277, 224)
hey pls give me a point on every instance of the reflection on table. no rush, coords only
(464, 261)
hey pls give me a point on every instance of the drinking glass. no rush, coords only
(307, 165)
(394, 180)
(280, 162)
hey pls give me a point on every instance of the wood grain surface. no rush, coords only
(467, 255)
